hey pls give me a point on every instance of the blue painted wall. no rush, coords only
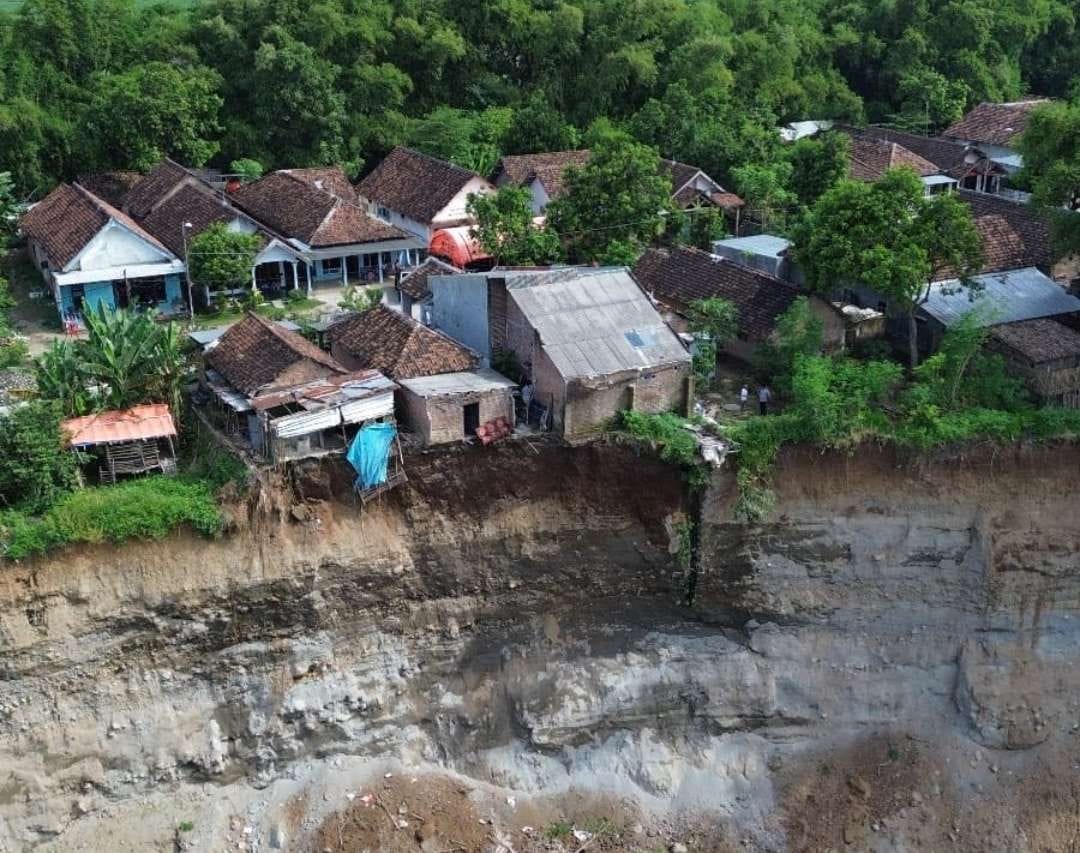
(174, 291)
(101, 292)
(460, 309)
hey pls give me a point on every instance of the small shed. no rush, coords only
(454, 406)
(1046, 354)
(138, 440)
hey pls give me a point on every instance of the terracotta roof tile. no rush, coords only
(950, 157)
(414, 282)
(202, 208)
(871, 158)
(68, 218)
(293, 205)
(157, 183)
(680, 173)
(1026, 221)
(549, 167)
(414, 184)
(398, 346)
(111, 187)
(678, 277)
(994, 124)
(331, 179)
(255, 352)
(1038, 341)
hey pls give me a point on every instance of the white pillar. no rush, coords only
(295, 277)
(254, 286)
(344, 271)
(380, 267)
(281, 272)
(307, 270)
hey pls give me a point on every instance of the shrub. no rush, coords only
(35, 467)
(149, 508)
(666, 431)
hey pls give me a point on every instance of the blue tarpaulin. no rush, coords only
(369, 453)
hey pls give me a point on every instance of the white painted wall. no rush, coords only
(116, 246)
(454, 212)
(540, 197)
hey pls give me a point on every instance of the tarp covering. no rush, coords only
(369, 453)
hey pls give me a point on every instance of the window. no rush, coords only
(382, 213)
(147, 291)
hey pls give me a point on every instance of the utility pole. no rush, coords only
(187, 272)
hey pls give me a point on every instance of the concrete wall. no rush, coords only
(441, 420)
(833, 324)
(460, 310)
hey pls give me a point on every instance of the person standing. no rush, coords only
(744, 397)
(764, 397)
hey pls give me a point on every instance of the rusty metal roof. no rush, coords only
(139, 423)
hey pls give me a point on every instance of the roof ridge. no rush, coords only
(434, 159)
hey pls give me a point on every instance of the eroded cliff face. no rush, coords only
(891, 661)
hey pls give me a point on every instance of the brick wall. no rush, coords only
(441, 420)
(590, 405)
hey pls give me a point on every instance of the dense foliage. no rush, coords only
(221, 258)
(35, 468)
(115, 83)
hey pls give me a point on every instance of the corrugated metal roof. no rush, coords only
(1002, 297)
(593, 322)
(139, 423)
(759, 244)
(465, 382)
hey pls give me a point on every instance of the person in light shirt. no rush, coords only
(764, 397)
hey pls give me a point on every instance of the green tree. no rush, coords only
(221, 259)
(888, 236)
(505, 229)
(247, 169)
(1051, 149)
(151, 111)
(765, 189)
(9, 212)
(60, 378)
(619, 195)
(35, 466)
(799, 332)
(818, 163)
(538, 126)
(713, 322)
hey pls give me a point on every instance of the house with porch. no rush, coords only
(420, 194)
(996, 129)
(90, 254)
(319, 215)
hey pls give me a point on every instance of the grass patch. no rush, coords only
(558, 830)
(148, 508)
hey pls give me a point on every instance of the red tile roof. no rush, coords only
(950, 157)
(995, 124)
(678, 277)
(252, 354)
(414, 184)
(548, 166)
(414, 282)
(157, 183)
(1025, 220)
(111, 187)
(139, 423)
(68, 218)
(1038, 341)
(332, 179)
(291, 203)
(398, 346)
(871, 158)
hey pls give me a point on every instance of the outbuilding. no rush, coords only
(453, 406)
(138, 440)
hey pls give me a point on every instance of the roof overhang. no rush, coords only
(118, 273)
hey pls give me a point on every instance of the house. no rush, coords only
(588, 341)
(420, 194)
(964, 163)
(1046, 354)
(410, 292)
(996, 129)
(90, 254)
(676, 278)
(871, 158)
(320, 215)
(396, 345)
(1032, 245)
(138, 440)
(187, 207)
(545, 176)
(286, 397)
(1000, 298)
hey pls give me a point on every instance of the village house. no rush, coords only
(996, 129)
(587, 341)
(997, 298)
(410, 293)
(286, 397)
(544, 175)
(420, 194)
(965, 165)
(443, 396)
(871, 158)
(91, 254)
(676, 278)
(139, 440)
(1046, 353)
(319, 213)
